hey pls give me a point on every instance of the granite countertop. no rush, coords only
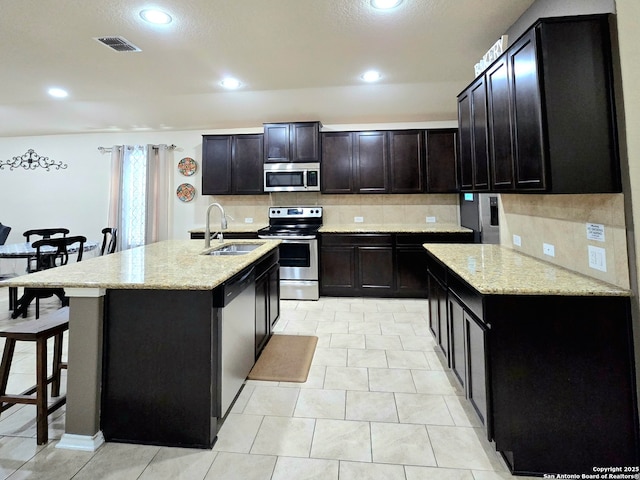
(496, 270)
(233, 228)
(394, 228)
(168, 265)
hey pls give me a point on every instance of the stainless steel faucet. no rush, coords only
(223, 225)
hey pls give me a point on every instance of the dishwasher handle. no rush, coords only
(236, 285)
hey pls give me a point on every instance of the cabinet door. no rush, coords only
(370, 162)
(276, 142)
(406, 161)
(304, 142)
(337, 270)
(465, 139)
(480, 151)
(500, 145)
(434, 312)
(246, 171)
(336, 166)
(411, 268)
(441, 162)
(458, 357)
(375, 267)
(262, 312)
(274, 295)
(527, 114)
(216, 164)
(477, 384)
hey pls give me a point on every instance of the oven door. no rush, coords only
(299, 259)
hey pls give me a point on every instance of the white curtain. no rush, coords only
(139, 194)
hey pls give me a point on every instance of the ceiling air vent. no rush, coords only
(118, 44)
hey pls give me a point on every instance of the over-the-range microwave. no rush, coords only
(292, 177)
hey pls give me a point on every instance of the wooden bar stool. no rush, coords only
(39, 331)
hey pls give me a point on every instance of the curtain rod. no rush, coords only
(109, 149)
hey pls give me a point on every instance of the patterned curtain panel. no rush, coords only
(139, 197)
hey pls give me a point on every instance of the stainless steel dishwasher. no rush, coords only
(238, 335)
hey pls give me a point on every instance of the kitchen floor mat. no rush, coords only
(285, 358)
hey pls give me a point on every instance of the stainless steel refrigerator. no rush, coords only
(479, 212)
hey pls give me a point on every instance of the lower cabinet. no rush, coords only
(356, 265)
(550, 377)
(378, 264)
(227, 236)
(267, 300)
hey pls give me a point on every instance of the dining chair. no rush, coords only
(45, 259)
(4, 233)
(44, 233)
(109, 240)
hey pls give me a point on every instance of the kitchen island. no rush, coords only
(146, 341)
(544, 355)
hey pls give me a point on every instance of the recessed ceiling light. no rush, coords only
(230, 83)
(385, 4)
(371, 76)
(57, 92)
(157, 17)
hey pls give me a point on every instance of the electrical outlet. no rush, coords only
(248, 220)
(431, 219)
(598, 258)
(517, 241)
(549, 249)
(358, 219)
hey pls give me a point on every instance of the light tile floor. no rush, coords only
(378, 404)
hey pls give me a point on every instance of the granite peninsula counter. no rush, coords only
(147, 334)
(545, 356)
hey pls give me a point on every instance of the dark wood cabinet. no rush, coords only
(474, 153)
(441, 170)
(337, 162)
(458, 354)
(356, 265)
(406, 161)
(292, 142)
(500, 140)
(370, 162)
(379, 264)
(551, 113)
(232, 164)
(549, 376)
(267, 299)
(227, 236)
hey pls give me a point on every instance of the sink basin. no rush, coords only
(234, 249)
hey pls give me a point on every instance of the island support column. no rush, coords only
(84, 373)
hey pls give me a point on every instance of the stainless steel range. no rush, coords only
(297, 227)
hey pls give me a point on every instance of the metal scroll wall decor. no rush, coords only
(30, 161)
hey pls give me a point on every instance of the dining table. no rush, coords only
(28, 251)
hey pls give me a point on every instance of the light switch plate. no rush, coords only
(248, 220)
(597, 258)
(549, 249)
(358, 219)
(517, 241)
(431, 219)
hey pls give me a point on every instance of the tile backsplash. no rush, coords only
(342, 209)
(561, 221)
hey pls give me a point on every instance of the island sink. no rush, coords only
(234, 249)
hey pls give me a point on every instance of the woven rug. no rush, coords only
(285, 358)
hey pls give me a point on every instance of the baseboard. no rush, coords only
(86, 443)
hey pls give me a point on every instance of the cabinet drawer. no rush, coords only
(467, 295)
(437, 269)
(357, 240)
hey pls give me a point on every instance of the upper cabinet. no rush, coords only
(232, 164)
(292, 142)
(391, 161)
(542, 117)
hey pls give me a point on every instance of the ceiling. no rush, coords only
(298, 60)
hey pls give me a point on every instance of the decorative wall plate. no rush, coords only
(187, 166)
(186, 192)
